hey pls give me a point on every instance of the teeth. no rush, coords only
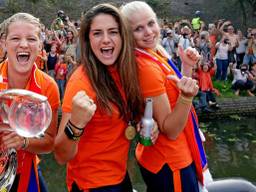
(106, 49)
(23, 54)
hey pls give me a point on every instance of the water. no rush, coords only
(230, 146)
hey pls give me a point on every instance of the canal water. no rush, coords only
(230, 148)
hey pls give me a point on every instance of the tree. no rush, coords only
(252, 3)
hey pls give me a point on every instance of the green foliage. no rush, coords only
(224, 88)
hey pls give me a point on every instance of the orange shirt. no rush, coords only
(60, 71)
(205, 79)
(103, 149)
(41, 83)
(175, 153)
(39, 61)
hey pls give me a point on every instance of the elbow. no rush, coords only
(62, 155)
(60, 160)
(172, 137)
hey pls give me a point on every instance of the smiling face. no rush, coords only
(145, 28)
(22, 45)
(105, 38)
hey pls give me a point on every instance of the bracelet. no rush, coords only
(81, 129)
(185, 100)
(25, 143)
(70, 133)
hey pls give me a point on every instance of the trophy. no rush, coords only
(29, 115)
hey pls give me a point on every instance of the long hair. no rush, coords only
(102, 82)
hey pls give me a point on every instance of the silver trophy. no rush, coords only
(29, 115)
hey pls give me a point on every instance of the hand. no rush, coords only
(189, 57)
(154, 132)
(187, 85)
(83, 109)
(10, 139)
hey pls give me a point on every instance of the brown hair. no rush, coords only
(102, 82)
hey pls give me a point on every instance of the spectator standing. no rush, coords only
(60, 74)
(41, 59)
(222, 58)
(241, 48)
(233, 40)
(197, 23)
(52, 60)
(206, 92)
(250, 53)
(170, 43)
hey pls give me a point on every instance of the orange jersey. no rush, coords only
(175, 153)
(103, 149)
(43, 84)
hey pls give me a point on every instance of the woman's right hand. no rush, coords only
(83, 109)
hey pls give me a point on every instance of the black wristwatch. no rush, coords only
(70, 133)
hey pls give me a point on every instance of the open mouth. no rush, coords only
(23, 57)
(107, 52)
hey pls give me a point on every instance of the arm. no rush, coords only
(172, 122)
(72, 28)
(82, 111)
(221, 29)
(189, 58)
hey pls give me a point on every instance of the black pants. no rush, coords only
(163, 180)
(241, 85)
(124, 186)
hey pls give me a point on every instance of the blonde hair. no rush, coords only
(24, 17)
(135, 6)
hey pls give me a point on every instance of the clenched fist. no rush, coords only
(83, 109)
(189, 57)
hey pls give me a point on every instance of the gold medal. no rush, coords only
(130, 132)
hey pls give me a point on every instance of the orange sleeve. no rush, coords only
(151, 77)
(51, 91)
(77, 82)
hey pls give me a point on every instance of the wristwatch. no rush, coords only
(70, 133)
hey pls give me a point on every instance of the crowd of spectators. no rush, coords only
(226, 53)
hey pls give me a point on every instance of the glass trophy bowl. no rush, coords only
(29, 115)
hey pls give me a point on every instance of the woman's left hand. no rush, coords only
(189, 57)
(154, 132)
